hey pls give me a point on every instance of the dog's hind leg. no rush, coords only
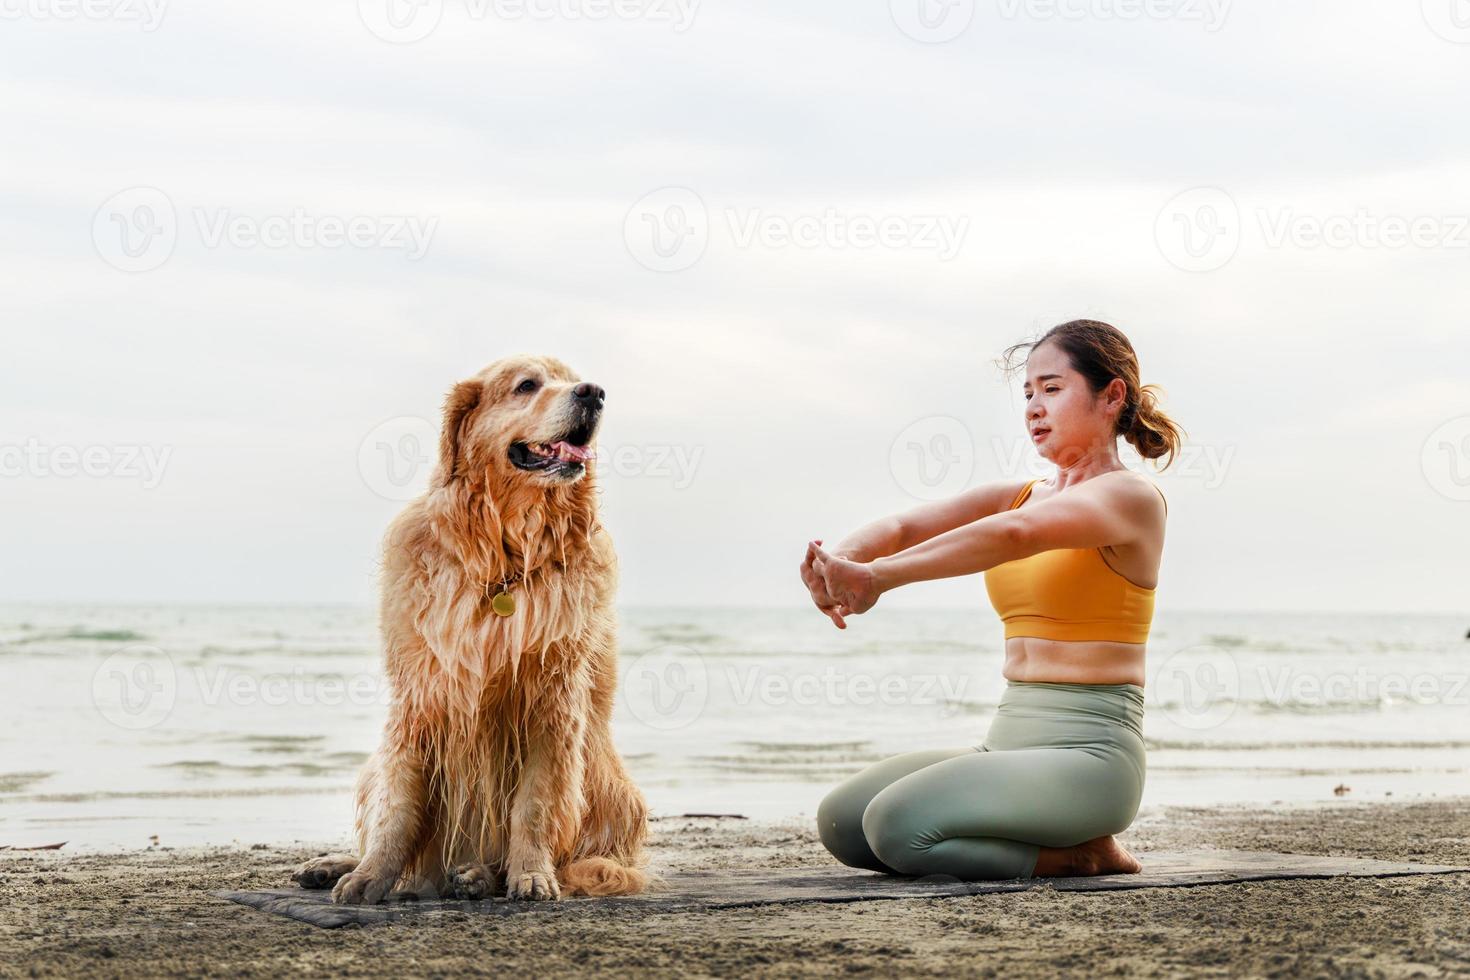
(324, 871)
(615, 826)
(474, 881)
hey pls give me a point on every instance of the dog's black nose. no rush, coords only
(589, 394)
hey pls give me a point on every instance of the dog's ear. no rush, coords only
(462, 400)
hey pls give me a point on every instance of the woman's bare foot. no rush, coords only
(1099, 856)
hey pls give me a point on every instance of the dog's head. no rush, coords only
(522, 419)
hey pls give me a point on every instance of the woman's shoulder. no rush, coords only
(1146, 486)
(1135, 483)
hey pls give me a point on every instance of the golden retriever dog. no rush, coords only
(497, 767)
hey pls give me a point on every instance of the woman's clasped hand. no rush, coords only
(839, 586)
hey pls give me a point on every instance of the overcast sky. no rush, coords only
(239, 238)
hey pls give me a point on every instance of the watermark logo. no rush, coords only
(667, 230)
(147, 14)
(401, 21)
(1199, 230)
(932, 21)
(1197, 687)
(135, 230)
(933, 458)
(395, 459)
(666, 688)
(1450, 19)
(1445, 459)
(136, 687)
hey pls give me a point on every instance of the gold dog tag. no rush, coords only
(504, 604)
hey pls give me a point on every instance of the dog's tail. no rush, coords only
(597, 876)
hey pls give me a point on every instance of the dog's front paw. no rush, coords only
(325, 871)
(473, 881)
(536, 886)
(363, 887)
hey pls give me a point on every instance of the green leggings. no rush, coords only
(1060, 765)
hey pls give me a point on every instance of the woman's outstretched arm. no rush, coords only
(1101, 511)
(1106, 510)
(897, 532)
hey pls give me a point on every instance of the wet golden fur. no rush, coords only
(497, 766)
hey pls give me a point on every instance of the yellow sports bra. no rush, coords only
(1069, 594)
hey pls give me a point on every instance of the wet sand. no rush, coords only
(148, 913)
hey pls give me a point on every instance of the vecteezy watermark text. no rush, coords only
(301, 229)
(669, 687)
(668, 230)
(409, 21)
(1202, 229)
(138, 686)
(938, 21)
(137, 229)
(833, 229)
(1202, 686)
(936, 457)
(1212, 14)
(34, 458)
(396, 457)
(147, 14)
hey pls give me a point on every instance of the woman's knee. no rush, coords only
(894, 828)
(901, 831)
(840, 828)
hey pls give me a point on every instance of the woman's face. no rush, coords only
(1064, 420)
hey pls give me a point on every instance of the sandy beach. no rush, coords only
(148, 913)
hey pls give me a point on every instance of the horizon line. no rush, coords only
(349, 604)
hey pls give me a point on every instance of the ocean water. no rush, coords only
(173, 725)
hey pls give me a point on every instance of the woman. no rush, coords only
(1071, 566)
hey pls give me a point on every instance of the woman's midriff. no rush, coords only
(1031, 658)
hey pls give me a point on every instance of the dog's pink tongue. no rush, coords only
(565, 450)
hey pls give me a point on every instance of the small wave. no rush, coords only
(81, 633)
(279, 744)
(1185, 745)
(175, 794)
(805, 746)
(960, 706)
(1347, 706)
(810, 773)
(331, 764)
(1267, 706)
(1297, 771)
(16, 782)
(680, 633)
(799, 763)
(216, 651)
